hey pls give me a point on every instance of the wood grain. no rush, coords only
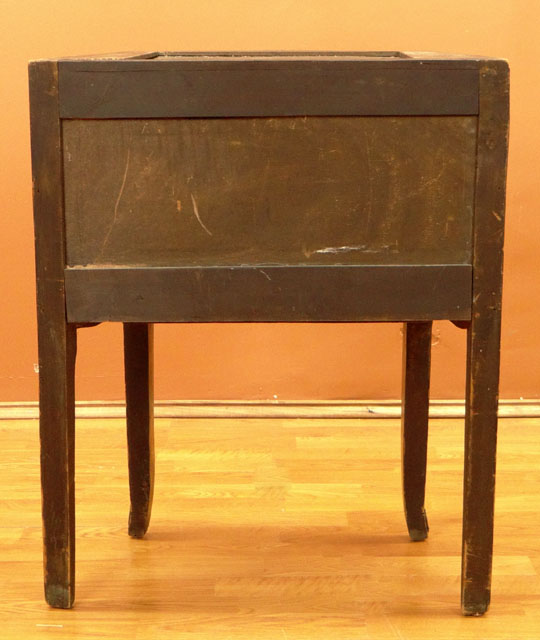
(270, 529)
(243, 191)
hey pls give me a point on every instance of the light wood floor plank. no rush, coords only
(270, 529)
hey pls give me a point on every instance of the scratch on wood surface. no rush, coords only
(343, 249)
(369, 143)
(424, 184)
(117, 203)
(348, 248)
(265, 274)
(196, 212)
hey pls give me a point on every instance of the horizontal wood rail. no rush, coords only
(182, 87)
(269, 293)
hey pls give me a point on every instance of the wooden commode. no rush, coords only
(269, 187)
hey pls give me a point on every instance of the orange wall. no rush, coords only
(287, 361)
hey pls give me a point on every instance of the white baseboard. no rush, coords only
(273, 409)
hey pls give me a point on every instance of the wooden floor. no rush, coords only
(270, 528)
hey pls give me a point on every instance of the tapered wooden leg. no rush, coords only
(138, 361)
(57, 340)
(483, 339)
(414, 424)
(57, 350)
(480, 452)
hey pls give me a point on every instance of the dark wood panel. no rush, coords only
(273, 190)
(180, 86)
(269, 294)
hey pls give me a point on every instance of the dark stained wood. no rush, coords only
(139, 378)
(270, 191)
(269, 294)
(484, 339)
(206, 86)
(57, 341)
(260, 209)
(414, 424)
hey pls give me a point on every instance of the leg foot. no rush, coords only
(58, 596)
